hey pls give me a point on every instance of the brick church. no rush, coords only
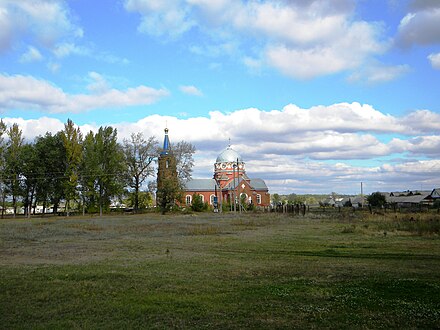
(230, 181)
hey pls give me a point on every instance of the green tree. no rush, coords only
(51, 156)
(197, 204)
(168, 192)
(72, 141)
(88, 177)
(13, 163)
(376, 199)
(30, 168)
(276, 199)
(103, 168)
(145, 200)
(139, 156)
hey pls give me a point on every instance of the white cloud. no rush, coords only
(191, 90)
(35, 127)
(44, 22)
(378, 73)
(161, 18)
(67, 48)
(435, 60)
(25, 92)
(32, 55)
(420, 27)
(300, 39)
(302, 150)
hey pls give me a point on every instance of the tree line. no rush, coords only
(81, 172)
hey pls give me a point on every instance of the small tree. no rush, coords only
(169, 191)
(197, 204)
(376, 199)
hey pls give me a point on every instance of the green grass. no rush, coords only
(220, 271)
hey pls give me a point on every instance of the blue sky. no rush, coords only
(317, 96)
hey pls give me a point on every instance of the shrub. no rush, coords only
(376, 199)
(197, 203)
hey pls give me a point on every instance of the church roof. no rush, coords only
(201, 185)
(256, 184)
(229, 155)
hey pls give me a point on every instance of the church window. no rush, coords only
(258, 199)
(188, 199)
(211, 199)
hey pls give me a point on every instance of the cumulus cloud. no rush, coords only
(191, 90)
(435, 60)
(159, 18)
(301, 150)
(32, 55)
(301, 39)
(421, 26)
(44, 22)
(26, 92)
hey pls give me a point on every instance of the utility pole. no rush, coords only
(362, 195)
(233, 188)
(238, 188)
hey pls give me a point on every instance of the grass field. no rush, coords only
(220, 271)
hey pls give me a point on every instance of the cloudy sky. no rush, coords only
(316, 95)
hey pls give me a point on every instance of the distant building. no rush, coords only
(229, 183)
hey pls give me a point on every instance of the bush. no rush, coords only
(376, 199)
(197, 203)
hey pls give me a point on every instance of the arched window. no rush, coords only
(258, 199)
(188, 199)
(211, 199)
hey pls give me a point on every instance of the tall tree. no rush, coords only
(13, 166)
(30, 168)
(72, 141)
(183, 152)
(103, 167)
(139, 156)
(89, 169)
(51, 155)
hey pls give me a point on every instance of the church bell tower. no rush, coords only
(167, 169)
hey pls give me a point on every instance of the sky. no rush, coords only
(317, 96)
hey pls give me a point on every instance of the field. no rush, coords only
(220, 271)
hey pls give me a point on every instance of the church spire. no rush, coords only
(166, 144)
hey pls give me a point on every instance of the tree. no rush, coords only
(276, 199)
(72, 141)
(29, 172)
(376, 199)
(197, 204)
(183, 152)
(103, 168)
(139, 156)
(51, 156)
(13, 166)
(145, 199)
(168, 192)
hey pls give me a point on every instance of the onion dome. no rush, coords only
(229, 155)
